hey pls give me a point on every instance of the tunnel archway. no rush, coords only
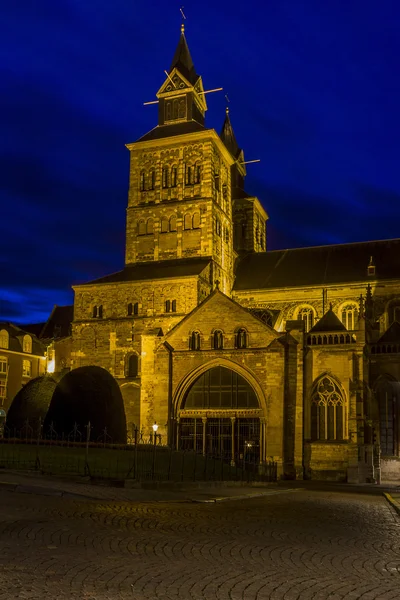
(88, 394)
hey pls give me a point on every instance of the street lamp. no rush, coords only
(155, 427)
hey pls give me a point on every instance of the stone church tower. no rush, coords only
(229, 346)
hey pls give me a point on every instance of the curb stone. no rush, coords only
(242, 496)
(393, 502)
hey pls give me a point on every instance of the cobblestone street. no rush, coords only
(289, 545)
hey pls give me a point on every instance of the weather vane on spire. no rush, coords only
(183, 19)
(227, 104)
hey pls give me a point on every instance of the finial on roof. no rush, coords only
(183, 28)
(227, 110)
(217, 284)
(330, 306)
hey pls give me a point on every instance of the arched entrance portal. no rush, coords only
(221, 415)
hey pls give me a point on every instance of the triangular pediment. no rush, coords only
(219, 311)
(174, 83)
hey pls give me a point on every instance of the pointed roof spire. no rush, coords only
(329, 322)
(228, 137)
(182, 59)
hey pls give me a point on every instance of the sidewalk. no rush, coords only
(35, 483)
(148, 491)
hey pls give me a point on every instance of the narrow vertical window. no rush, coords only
(194, 341)
(172, 223)
(196, 221)
(187, 224)
(168, 110)
(197, 173)
(150, 226)
(173, 306)
(95, 312)
(174, 176)
(241, 339)
(165, 177)
(164, 225)
(218, 340)
(152, 180)
(142, 181)
(136, 308)
(130, 309)
(167, 306)
(100, 311)
(188, 175)
(182, 109)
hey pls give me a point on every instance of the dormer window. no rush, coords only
(27, 344)
(371, 268)
(4, 339)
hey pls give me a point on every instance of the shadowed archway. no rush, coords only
(88, 394)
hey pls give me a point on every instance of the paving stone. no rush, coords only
(308, 545)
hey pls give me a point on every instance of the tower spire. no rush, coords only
(228, 137)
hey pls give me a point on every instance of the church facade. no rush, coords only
(289, 355)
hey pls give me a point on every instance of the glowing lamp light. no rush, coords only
(155, 427)
(51, 366)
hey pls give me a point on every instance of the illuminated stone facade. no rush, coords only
(230, 347)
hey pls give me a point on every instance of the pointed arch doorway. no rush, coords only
(220, 415)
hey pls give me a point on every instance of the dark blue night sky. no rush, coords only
(315, 94)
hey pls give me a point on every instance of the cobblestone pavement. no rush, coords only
(287, 546)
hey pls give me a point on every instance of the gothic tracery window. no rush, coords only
(349, 313)
(306, 314)
(327, 411)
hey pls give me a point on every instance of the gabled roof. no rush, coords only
(329, 322)
(319, 265)
(226, 314)
(183, 61)
(58, 324)
(228, 137)
(391, 335)
(161, 269)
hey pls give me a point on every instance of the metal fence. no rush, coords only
(142, 458)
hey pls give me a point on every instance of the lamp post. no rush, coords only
(155, 427)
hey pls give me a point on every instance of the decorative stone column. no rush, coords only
(233, 419)
(204, 419)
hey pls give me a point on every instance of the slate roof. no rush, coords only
(391, 335)
(329, 322)
(183, 61)
(163, 131)
(227, 135)
(16, 336)
(162, 269)
(58, 324)
(318, 265)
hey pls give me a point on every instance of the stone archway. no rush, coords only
(88, 394)
(219, 412)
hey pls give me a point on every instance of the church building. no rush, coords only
(233, 349)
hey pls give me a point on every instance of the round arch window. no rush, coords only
(220, 388)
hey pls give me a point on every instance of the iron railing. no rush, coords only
(144, 457)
